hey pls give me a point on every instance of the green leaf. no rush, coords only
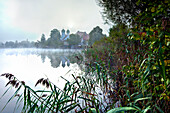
(139, 99)
(42, 91)
(158, 108)
(31, 90)
(29, 98)
(48, 101)
(5, 92)
(18, 100)
(82, 110)
(12, 97)
(71, 108)
(24, 97)
(119, 109)
(32, 108)
(93, 110)
(145, 110)
(86, 99)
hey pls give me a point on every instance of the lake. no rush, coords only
(31, 64)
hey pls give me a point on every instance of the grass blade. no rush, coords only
(12, 97)
(119, 109)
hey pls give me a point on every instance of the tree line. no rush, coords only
(74, 41)
(55, 40)
(17, 44)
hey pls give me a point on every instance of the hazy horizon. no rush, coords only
(29, 19)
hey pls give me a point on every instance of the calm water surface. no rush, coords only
(29, 65)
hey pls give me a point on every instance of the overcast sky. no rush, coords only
(28, 19)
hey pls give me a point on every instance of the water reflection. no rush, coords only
(30, 65)
(57, 57)
(65, 58)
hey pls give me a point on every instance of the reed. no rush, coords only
(126, 74)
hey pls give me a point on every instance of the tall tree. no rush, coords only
(9, 44)
(115, 11)
(54, 40)
(74, 39)
(95, 35)
(55, 34)
(42, 42)
(43, 38)
(124, 11)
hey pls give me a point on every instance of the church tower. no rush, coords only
(62, 34)
(68, 32)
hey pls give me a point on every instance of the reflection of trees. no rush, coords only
(65, 58)
(43, 58)
(54, 59)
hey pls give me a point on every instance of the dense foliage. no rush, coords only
(127, 71)
(124, 11)
(55, 40)
(119, 10)
(17, 44)
(95, 35)
(138, 62)
(74, 39)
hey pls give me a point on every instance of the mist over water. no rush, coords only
(30, 65)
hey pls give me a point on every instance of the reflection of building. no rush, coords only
(84, 37)
(65, 60)
(57, 58)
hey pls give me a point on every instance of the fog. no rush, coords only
(28, 19)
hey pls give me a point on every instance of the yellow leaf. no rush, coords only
(151, 30)
(154, 67)
(143, 34)
(153, 9)
(166, 36)
(167, 62)
(148, 83)
(166, 1)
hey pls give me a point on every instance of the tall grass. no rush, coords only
(133, 77)
(122, 74)
(139, 68)
(77, 96)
